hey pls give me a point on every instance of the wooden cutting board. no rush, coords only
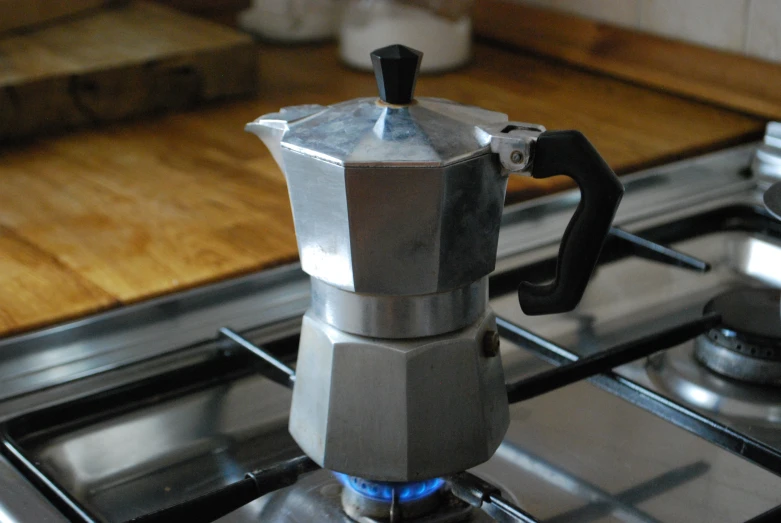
(118, 62)
(19, 14)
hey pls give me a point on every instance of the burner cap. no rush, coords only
(752, 316)
(747, 344)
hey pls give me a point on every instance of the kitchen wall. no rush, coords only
(751, 27)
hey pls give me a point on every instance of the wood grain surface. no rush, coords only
(37, 288)
(131, 211)
(727, 79)
(24, 14)
(224, 11)
(115, 63)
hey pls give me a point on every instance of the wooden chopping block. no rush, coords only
(16, 14)
(132, 59)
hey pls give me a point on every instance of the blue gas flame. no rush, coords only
(383, 491)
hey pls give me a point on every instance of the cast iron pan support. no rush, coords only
(213, 505)
(570, 153)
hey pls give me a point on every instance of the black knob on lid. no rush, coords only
(396, 69)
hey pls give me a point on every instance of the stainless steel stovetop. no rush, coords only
(128, 412)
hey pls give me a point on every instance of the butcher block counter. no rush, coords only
(104, 217)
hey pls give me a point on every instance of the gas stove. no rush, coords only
(183, 402)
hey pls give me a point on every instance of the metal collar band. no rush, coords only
(382, 316)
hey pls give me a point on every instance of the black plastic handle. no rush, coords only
(570, 153)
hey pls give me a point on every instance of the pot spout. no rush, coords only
(271, 132)
(272, 127)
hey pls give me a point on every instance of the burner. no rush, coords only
(747, 345)
(385, 491)
(336, 498)
(362, 498)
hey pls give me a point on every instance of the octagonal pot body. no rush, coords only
(398, 410)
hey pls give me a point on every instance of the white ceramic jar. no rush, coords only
(442, 29)
(292, 21)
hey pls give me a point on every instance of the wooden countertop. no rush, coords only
(726, 79)
(105, 217)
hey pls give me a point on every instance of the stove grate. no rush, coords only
(465, 486)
